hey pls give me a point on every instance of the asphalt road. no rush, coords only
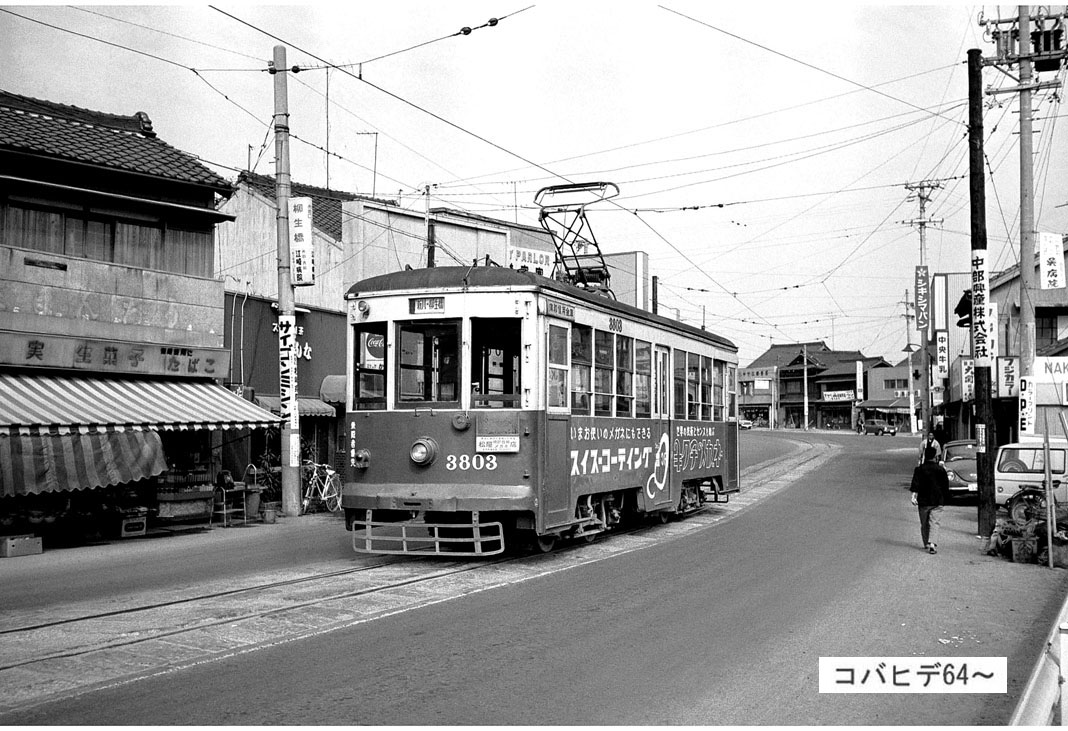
(719, 626)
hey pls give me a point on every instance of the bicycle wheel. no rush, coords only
(332, 493)
(311, 491)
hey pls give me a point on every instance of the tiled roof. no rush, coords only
(782, 355)
(111, 141)
(326, 203)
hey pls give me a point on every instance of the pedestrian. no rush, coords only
(929, 487)
(929, 442)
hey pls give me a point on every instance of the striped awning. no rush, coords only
(40, 404)
(53, 462)
(305, 406)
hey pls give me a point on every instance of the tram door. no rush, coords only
(662, 375)
(556, 476)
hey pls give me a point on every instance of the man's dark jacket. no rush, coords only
(930, 484)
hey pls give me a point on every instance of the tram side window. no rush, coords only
(496, 346)
(370, 367)
(581, 365)
(643, 378)
(706, 388)
(693, 384)
(428, 362)
(720, 375)
(603, 388)
(732, 405)
(557, 396)
(624, 375)
(680, 384)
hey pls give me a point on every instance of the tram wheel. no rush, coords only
(664, 516)
(545, 544)
(589, 537)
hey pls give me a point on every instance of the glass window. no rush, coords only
(680, 384)
(603, 386)
(1030, 459)
(581, 364)
(370, 367)
(693, 382)
(558, 352)
(719, 390)
(428, 362)
(643, 378)
(496, 343)
(732, 391)
(624, 375)
(706, 388)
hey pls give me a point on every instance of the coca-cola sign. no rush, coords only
(374, 350)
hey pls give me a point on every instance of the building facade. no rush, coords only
(111, 321)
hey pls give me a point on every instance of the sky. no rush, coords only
(762, 153)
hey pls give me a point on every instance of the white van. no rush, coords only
(1022, 464)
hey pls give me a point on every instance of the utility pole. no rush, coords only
(287, 328)
(1013, 46)
(922, 191)
(429, 232)
(985, 434)
(804, 354)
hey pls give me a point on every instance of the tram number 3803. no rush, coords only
(471, 462)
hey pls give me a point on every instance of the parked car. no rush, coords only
(1021, 465)
(958, 457)
(745, 424)
(878, 426)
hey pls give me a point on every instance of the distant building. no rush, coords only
(773, 388)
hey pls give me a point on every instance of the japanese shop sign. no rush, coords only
(967, 379)
(838, 395)
(1051, 260)
(860, 380)
(497, 443)
(942, 353)
(1027, 405)
(992, 330)
(980, 331)
(301, 243)
(1008, 374)
(111, 356)
(923, 300)
(287, 371)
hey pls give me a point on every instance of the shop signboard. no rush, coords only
(980, 326)
(1050, 261)
(1008, 375)
(301, 243)
(1027, 405)
(967, 379)
(942, 353)
(923, 300)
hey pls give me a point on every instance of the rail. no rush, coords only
(1045, 696)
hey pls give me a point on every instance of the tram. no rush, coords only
(491, 408)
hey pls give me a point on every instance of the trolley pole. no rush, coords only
(287, 328)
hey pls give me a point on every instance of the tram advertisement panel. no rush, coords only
(656, 456)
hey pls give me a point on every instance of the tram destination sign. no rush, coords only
(426, 305)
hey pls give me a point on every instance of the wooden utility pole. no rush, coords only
(986, 441)
(922, 191)
(287, 327)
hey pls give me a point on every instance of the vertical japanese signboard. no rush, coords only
(923, 300)
(980, 332)
(301, 243)
(287, 380)
(967, 379)
(1051, 261)
(1027, 405)
(1008, 376)
(992, 330)
(942, 353)
(860, 380)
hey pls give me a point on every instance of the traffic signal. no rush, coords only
(963, 310)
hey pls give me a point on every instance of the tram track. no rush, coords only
(74, 655)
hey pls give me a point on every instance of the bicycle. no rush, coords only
(321, 484)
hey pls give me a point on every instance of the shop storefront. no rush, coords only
(83, 454)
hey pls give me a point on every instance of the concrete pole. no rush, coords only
(804, 352)
(287, 360)
(1027, 202)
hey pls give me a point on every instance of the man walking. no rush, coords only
(929, 487)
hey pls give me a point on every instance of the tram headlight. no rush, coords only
(423, 452)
